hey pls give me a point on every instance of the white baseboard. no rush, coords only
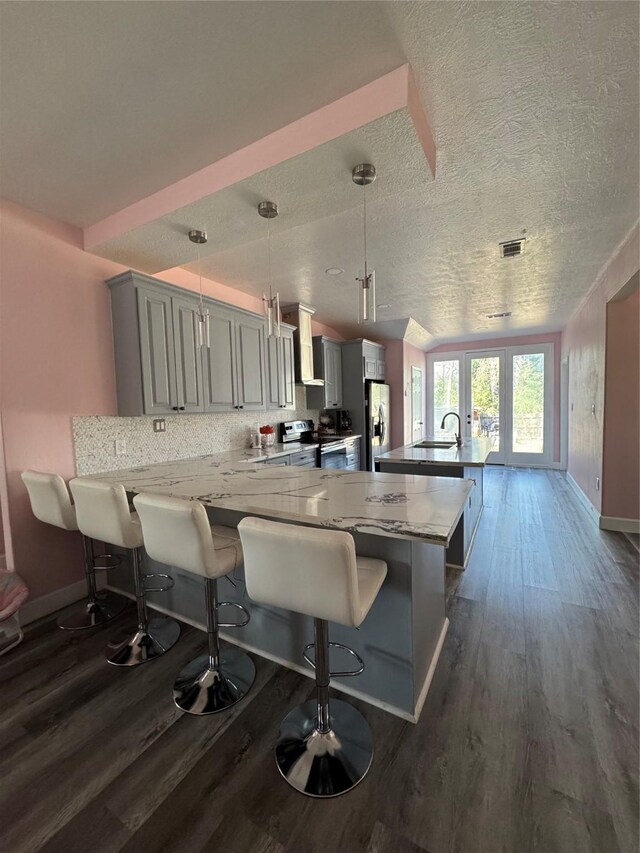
(46, 604)
(584, 500)
(624, 525)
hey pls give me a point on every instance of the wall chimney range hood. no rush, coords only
(299, 315)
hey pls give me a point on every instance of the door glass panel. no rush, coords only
(416, 403)
(485, 398)
(446, 390)
(528, 403)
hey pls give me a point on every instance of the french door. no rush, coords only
(503, 394)
(417, 419)
(484, 409)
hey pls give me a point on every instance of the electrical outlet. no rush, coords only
(597, 484)
(593, 408)
(120, 447)
(159, 425)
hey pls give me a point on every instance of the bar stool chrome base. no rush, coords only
(102, 609)
(201, 688)
(324, 764)
(161, 633)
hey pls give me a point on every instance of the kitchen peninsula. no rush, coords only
(443, 458)
(404, 519)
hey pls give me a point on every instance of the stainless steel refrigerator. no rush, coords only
(377, 421)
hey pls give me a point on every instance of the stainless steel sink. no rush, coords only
(445, 445)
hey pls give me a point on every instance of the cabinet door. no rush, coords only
(188, 353)
(220, 362)
(250, 366)
(337, 372)
(329, 365)
(289, 373)
(157, 352)
(381, 369)
(275, 370)
(370, 367)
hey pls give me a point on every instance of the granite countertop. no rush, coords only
(473, 453)
(397, 505)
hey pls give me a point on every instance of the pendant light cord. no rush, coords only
(364, 191)
(269, 256)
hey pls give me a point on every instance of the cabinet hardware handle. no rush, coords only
(175, 408)
(182, 408)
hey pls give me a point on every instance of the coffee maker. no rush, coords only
(343, 421)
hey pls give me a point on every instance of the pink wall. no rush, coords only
(395, 379)
(56, 360)
(621, 458)
(583, 342)
(400, 358)
(554, 338)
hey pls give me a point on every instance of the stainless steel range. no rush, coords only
(332, 452)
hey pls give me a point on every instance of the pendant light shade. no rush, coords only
(269, 210)
(202, 317)
(363, 175)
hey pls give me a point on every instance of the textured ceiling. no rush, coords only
(534, 109)
(307, 189)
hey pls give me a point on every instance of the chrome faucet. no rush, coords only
(458, 434)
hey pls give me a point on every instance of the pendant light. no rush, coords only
(269, 210)
(199, 238)
(363, 175)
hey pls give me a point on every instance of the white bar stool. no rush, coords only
(51, 503)
(324, 749)
(177, 532)
(103, 513)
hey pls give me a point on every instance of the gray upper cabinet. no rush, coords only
(327, 362)
(220, 362)
(188, 354)
(250, 361)
(161, 367)
(280, 370)
(374, 361)
(156, 355)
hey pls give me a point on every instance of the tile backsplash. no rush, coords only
(94, 437)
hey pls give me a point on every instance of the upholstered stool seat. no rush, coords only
(324, 749)
(103, 513)
(177, 532)
(51, 503)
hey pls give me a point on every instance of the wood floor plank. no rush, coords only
(527, 743)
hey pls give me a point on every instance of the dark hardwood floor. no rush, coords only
(528, 740)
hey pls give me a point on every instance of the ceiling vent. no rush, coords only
(512, 248)
(498, 315)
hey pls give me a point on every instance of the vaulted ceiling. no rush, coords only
(533, 108)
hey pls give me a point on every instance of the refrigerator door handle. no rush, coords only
(382, 426)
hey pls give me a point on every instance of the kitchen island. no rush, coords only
(464, 462)
(403, 519)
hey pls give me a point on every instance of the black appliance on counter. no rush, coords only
(344, 423)
(332, 452)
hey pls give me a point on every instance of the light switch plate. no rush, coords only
(159, 425)
(120, 447)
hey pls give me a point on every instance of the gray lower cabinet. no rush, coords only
(280, 370)
(302, 459)
(353, 454)
(305, 459)
(279, 460)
